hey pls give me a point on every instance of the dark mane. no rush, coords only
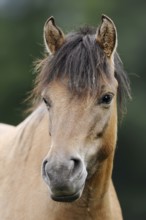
(82, 61)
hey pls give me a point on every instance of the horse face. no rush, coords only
(82, 131)
(82, 128)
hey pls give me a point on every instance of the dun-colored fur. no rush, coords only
(72, 135)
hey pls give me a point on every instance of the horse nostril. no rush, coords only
(77, 165)
(44, 167)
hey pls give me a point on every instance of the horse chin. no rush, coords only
(67, 198)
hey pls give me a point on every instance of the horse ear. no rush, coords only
(53, 36)
(107, 36)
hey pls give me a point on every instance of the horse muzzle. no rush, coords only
(65, 179)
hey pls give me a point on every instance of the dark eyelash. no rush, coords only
(47, 102)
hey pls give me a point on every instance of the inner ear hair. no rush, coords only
(53, 36)
(106, 36)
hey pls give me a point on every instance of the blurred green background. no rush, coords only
(21, 42)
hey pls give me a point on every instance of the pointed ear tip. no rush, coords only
(105, 17)
(51, 18)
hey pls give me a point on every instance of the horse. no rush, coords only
(57, 164)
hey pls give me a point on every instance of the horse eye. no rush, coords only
(47, 103)
(106, 99)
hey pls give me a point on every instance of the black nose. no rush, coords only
(64, 177)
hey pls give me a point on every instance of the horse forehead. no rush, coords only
(59, 92)
(60, 89)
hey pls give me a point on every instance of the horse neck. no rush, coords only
(31, 134)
